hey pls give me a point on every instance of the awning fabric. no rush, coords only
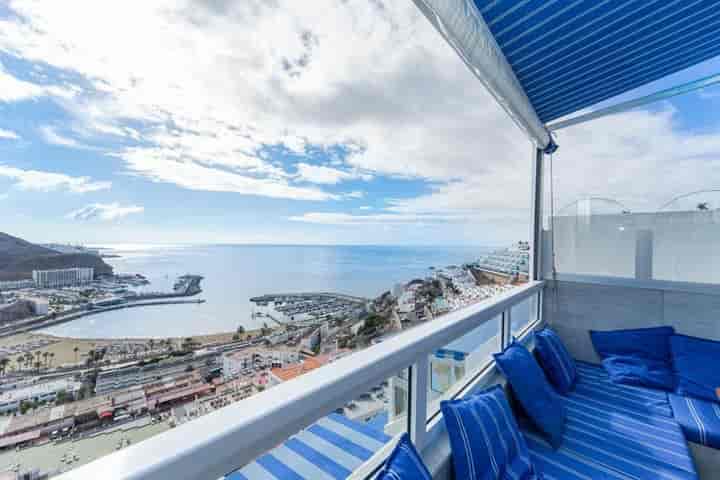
(567, 55)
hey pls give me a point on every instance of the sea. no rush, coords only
(235, 273)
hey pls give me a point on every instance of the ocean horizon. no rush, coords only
(233, 273)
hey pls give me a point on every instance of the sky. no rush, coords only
(331, 121)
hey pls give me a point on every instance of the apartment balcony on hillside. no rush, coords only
(606, 352)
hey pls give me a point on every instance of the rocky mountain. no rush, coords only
(18, 258)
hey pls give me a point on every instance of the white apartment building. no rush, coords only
(10, 400)
(66, 277)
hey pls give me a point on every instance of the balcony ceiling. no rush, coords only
(571, 54)
(546, 59)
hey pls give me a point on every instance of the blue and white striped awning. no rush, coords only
(327, 450)
(561, 56)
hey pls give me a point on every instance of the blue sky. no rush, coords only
(329, 122)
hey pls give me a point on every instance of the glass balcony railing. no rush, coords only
(360, 402)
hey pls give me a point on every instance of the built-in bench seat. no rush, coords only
(614, 432)
(699, 419)
(595, 386)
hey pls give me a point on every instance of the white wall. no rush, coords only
(575, 308)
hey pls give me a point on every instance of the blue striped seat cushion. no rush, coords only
(404, 463)
(614, 432)
(554, 358)
(485, 439)
(699, 419)
(595, 387)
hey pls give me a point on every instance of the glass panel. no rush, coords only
(637, 195)
(453, 366)
(341, 442)
(522, 314)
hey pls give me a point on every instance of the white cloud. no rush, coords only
(378, 219)
(389, 218)
(233, 78)
(104, 211)
(209, 86)
(13, 89)
(51, 135)
(639, 158)
(168, 167)
(321, 174)
(42, 181)
(355, 194)
(365, 207)
(8, 135)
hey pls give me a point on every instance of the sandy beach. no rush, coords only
(64, 352)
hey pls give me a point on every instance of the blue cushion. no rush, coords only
(697, 366)
(404, 463)
(640, 371)
(555, 360)
(651, 343)
(533, 391)
(607, 441)
(699, 419)
(485, 439)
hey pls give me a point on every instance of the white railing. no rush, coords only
(225, 440)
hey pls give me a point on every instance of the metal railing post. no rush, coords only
(506, 328)
(535, 267)
(417, 411)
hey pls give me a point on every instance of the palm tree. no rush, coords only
(704, 206)
(45, 356)
(52, 358)
(76, 350)
(3, 365)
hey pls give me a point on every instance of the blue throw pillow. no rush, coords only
(555, 360)
(697, 366)
(533, 391)
(640, 371)
(404, 463)
(651, 343)
(485, 439)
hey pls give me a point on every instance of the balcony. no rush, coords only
(591, 271)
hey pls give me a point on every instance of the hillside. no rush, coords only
(13, 249)
(18, 258)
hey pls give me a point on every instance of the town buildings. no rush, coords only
(247, 360)
(16, 284)
(10, 400)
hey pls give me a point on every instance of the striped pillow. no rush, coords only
(404, 463)
(485, 439)
(554, 358)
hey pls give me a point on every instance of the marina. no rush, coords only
(298, 308)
